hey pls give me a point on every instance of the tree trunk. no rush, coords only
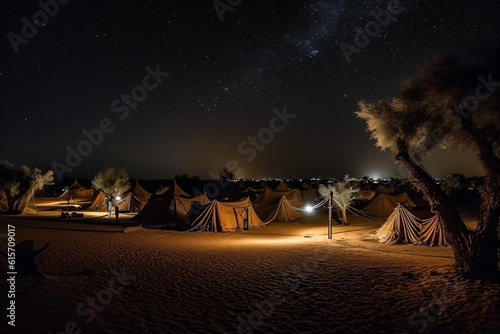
(456, 232)
(344, 215)
(484, 257)
(12, 203)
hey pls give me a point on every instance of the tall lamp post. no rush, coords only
(330, 215)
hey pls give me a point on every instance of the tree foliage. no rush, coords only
(20, 184)
(450, 103)
(112, 181)
(344, 193)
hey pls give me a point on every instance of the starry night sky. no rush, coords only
(225, 78)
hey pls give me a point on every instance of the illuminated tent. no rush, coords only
(180, 205)
(219, 216)
(382, 205)
(127, 203)
(432, 232)
(98, 204)
(401, 227)
(279, 206)
(76, 190)
(141, 195)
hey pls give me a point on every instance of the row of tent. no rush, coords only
(175, 206)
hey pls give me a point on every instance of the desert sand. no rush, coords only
(281, 278)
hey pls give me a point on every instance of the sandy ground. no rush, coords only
(282, 278)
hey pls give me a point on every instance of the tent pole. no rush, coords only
(330, 215)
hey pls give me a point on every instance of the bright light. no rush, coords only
(309, 209)
(118, 198)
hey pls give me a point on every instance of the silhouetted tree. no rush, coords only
(21, 183)
(453, 104)
(225, 174)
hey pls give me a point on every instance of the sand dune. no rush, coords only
(283, 278)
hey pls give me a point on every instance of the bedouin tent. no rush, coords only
(382, 188)
(308, 192)
(401, 227)
(382, 205)
(366, 195)
(76, 190)
(278, 206)
(282, 186)
(140, 194)
(218, 216)
(157, 209)
(180, 205)
(432, 232)
(127, 203)
(404, 227)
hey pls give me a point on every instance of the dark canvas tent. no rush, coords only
(282, 186)
(76, 190)
(158, 209)
(382, 188)
(180, 205)
(382, 205)
(432, 232)
(279, 206)
(401, 227)
(219, 216)
(308, 192)
(140, 194)
(366, 195)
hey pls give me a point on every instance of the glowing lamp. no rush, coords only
(309, 209)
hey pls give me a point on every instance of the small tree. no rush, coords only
(344, 193)
(20, 184)
(112, 181)
(225, 174)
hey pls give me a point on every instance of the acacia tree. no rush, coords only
(344, 193)
(452, 104)
(112, 181)
(20, 184)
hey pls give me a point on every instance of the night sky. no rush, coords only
(224, 80)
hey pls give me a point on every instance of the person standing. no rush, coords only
(117, 213)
